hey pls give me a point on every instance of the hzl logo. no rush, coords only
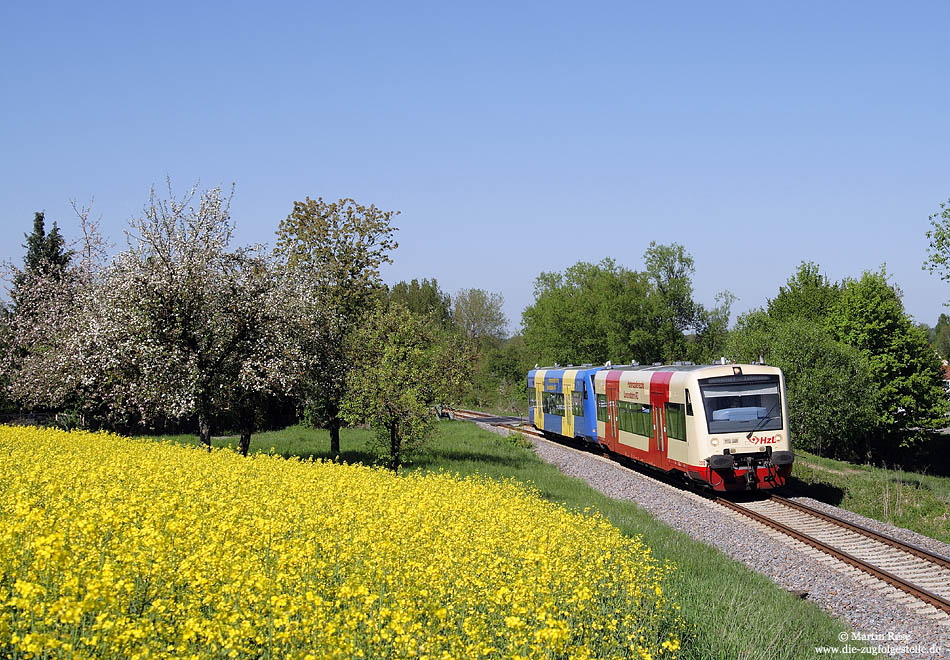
(766, 440)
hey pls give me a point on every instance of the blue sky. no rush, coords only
(513, 137)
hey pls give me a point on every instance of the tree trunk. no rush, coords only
(395, 447)
(247, 428)
(333, 423)
(204, 430)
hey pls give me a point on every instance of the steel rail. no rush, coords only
(918, 592)
(904, 546)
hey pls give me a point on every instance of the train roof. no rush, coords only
(588, 370)
(638, 367)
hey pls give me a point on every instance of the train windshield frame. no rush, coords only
(742, 403)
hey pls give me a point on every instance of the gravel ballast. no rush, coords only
(869, 606)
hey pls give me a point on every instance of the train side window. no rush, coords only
(638, 421)
(532, 399)
(627, 417)
(601, 407)
(634, 418)
(577, 403)
(676, 421)
(559, 404)
(689, 405)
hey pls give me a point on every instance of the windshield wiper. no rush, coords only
(765, 420)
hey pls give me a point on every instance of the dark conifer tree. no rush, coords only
(46, 254)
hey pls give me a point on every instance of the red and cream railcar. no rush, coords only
(726, 425)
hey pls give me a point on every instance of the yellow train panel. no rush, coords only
(539, 390)
(567, 385)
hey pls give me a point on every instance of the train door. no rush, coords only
(659, 395)
(613, 393)
(567, 428)
(539, 394)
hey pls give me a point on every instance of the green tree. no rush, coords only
(338, 247)
(478, 314)
(407, 368)
(590, 313)
(938, 252)
(869, 315)
(669, 269)
(941, 336)
(599, 312)
(45, 250)
(712, 330)
(42, 300)
(807, 294)
(832, 398)
(46, 257)
(500, 376)
(424, 298)
(478, 317)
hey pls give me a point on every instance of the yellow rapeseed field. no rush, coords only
(120, 548)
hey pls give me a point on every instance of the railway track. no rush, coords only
(910, 568)
(914, 570)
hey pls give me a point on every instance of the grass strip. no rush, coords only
(919, 502)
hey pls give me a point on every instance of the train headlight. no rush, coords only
(714, 442)
(778, 438)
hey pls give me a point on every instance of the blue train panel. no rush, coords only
(562, 401)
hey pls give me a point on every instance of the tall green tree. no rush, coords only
(338, 248)
(478, 317)
(938, 251)
(589, 313)
(45, 250)
(808, 294)
(424, 298)
(599, 312)
(832, 398)
(869, 316)
(42, 297)
(478, 314)
(46, 257)
(408, 368)
(669, 269)
(938, 263)
(941, 336)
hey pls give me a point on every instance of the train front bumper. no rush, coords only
(761, 470)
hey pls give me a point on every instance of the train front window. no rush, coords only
(739, 404)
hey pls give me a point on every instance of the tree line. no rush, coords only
(864, 381)
(183, 330)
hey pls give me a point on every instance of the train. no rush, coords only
(723, 426)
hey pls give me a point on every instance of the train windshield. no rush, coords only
(737, 404)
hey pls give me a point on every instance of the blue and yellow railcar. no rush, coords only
(561, 401)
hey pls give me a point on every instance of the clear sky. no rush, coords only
(514, 137)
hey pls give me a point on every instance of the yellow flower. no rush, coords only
(119, 548)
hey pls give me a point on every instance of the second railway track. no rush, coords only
(914, 570)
